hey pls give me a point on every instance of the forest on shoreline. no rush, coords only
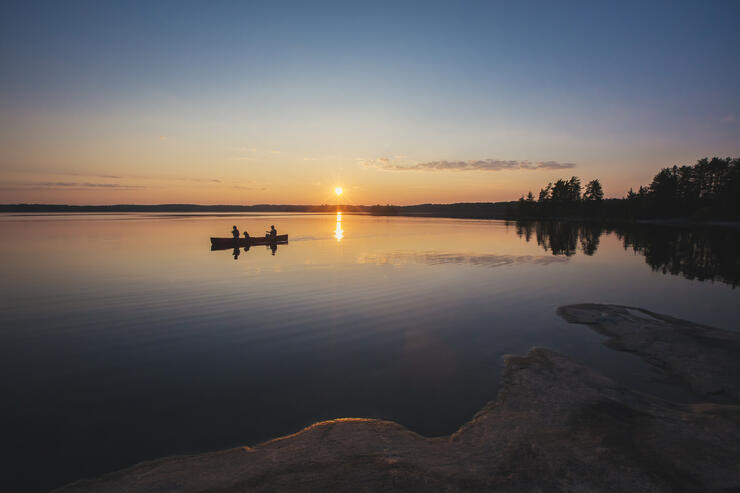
(707, 190)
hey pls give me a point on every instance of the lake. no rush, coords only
(125, 338)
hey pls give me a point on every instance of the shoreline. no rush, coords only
(555, 425)
(234, 211)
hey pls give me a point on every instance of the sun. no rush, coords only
(338, 191)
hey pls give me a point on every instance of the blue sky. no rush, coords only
(281, 102)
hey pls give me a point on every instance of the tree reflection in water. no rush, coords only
(701, 253)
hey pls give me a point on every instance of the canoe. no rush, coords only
(242, 242)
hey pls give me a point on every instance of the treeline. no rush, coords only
(710, 189)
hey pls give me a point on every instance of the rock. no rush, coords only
(704, 358)
(555, 426)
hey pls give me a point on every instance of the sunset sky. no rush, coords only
(397, 102)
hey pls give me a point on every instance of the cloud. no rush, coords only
(274, 152)
(243, 187)
(198, 180)
(92, 175)
(104, 185)
(142, 177)
(473, 165)
(67, 185)
(554, 165)
(729, 118)
(309, 159)
(112, 177)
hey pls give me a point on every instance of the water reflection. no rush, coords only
(148, 350)
(338, 231)
(236, 252)
(695, 253)
(562, 238)
(703, 254)
(437, 258)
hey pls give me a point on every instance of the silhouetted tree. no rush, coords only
(593, 196)
(593, 192)
(544, 195)
(527, 207)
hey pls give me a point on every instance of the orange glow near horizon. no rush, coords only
(249, 185)
(266, 178)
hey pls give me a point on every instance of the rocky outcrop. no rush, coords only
(704, 358)
(556, 425)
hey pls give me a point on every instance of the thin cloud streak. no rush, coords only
(63, 184)
(66, 185)
(197, 180)
(473, 165)
(129, 177)
(243, 187)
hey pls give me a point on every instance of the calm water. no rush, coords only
(124, 338)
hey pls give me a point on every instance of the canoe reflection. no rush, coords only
(236, 250)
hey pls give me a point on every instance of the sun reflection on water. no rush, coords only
(339, 232)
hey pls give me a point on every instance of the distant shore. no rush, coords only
(470, 210)
(555, 425)
(460, 210)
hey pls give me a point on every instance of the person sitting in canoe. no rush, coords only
(272, 234)
(235, 232)
(246, 236)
